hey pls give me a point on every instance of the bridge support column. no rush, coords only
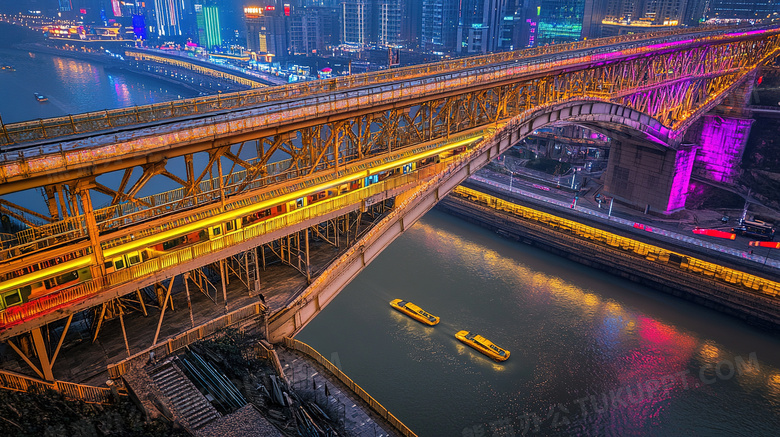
(722, 140)
(51, 201)
(223, 277)
(43, 356)
(186, 277)
(99, 268)
(649, 176)
(308, 266)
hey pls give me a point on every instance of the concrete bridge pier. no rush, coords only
(722, 139)
(650, 176)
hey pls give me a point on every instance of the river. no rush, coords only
(591, 354)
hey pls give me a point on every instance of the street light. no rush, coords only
(511, 179)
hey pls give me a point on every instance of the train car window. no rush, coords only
(170, 244)
(299, 203)
(67, 277)
(119, 263)
(61, 279)
(12, 298)
(229, 226)
(216, 230)
(108, 264)
(133, 259)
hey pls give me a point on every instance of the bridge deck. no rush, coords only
(201, 125)
(86, 362)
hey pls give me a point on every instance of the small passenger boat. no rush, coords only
(414, 312)
(483, 345)
(41, 97)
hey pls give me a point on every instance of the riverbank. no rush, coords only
(703, 284)
(208, 84)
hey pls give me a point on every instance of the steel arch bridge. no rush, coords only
(230, 152)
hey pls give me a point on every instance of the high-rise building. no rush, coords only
(593, 15)
(479, 26)
(139, 27)
(211, 21)
(65, 6)
(646, 12)
(116, 8)
(743, 9)
(200, 23)
(694, 12)
(312, 30)
(560, 21)
(411, 25)
(439, 25)
(357, 17)
(390, 17)
(625, 16)
(167, 14)
(266, 32)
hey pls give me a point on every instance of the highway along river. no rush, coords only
(591, 354)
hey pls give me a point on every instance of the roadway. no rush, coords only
(671, 233)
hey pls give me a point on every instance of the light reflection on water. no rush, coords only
(590, 354)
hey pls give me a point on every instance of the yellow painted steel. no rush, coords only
(146, 268)
(650, 252)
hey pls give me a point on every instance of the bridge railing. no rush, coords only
(309, 351)
(51, 302)
(184, 339)
(128, 213)
(77, 392)
(31, 131)
(719, 273)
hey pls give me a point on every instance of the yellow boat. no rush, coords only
(414, 312)
(483, 345)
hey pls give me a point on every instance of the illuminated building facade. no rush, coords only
(390, 17)
(648, 12)
(139, 26)
(168, 18)
(743, 9)
(200, 23)
(356, 19)
(211, 21)
(266, 32)
(479, 26)
(560, 21)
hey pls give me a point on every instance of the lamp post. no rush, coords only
(511, 179)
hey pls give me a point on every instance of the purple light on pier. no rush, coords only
(683, 165)
(722, 144)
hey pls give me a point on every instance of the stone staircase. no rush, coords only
(185, 401)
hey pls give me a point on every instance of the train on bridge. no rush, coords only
(44, 273)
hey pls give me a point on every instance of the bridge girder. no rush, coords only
(671, 86)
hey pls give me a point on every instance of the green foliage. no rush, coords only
(50, 414)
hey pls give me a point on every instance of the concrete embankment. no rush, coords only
(759, 306)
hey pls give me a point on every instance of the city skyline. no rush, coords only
(444, 27)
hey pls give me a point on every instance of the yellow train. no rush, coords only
(41, 274)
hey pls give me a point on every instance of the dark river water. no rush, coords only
(590, 354)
